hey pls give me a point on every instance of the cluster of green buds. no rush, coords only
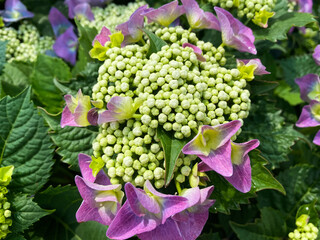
(25, 43)
(177, 91)
(5, 213)
(111, 15)
(305, 230)
(255, 10)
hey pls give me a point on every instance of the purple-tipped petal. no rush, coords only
(260, 70)
(58, 22)
(86, 213)
(67, 118)
(316, 139)
(166, 14)
(196, 50)
(103, 36)
(310, 115)
(309, 87)
(83, 10)
(234, 33)
(197, 18)
(14, 11)
(132, 29)
(126, 224)
(316, 55)
(66, 46)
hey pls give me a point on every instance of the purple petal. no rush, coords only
(197, 18)
(71, 5)
(126, 224)
(308, 84)
(131, 29)
(260, 70)
(192, 195)
(103, 36)
(83, 10)
(138, 200)
(58, 22)
(305, 6)
(67, 119)
(66, 46)
(196, 50)
(86, 213)
(316, 55)
(220, 160)
(15, 11)
(316, 139)
(93, 116)
(234, 33)
(202, 167)
(307, 118)
(165, 14)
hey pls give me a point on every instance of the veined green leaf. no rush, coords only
(156, 43)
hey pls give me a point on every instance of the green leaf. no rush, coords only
(261, 176)
(47, 69)
(281, 23)
(25, 212)
(62, 224)
(70, 140)
(156, 43)
(3, 47)
(172, 148)
(261, 87)
(266, 124)
(24, 143)
(271, 226)
(14, 236)
(211, 236)
(15, 78)
(87, 35)
(311, 211)
(285, 92)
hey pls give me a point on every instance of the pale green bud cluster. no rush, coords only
(246, 8)
(111, 15)
(183, 168)
(25, 43)
(5, 213)
(304, 232)
(131, 152)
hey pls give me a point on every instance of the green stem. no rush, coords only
(222, 45)
(138, 116)
(178, 187)
(143, 41)
(190, 29)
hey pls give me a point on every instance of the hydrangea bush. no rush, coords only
(159, 119)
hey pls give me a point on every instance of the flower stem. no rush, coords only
(178, 187)
(138, 116)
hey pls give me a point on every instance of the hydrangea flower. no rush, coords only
(309, 87)
(187, 224)
(143, 211)
(316, 55)
(119, 108)
(213, 146)
(166, 14)
(261, 18)
(14, 10)
(101, 200)
(66, 46)
(197, 18)
(305, 6)
(196, 50)
(83, 10)
(58, 22)
(78, 111)
(234, 33)
(250, 67)
(310, 117)
(132, 29)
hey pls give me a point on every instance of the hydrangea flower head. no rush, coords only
(58, 22)
(212, 145)
(316, 55)
(197, 18)
(78, 112)
(101, 200)
(15, 10)
(119, 108)
(309, 87)
(66, 46)
(166, 14)
(234, 33)
(132, 29)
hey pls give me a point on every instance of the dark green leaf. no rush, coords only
(24, 143)
(45, 71)
(261, 87)
(62, 224)
(3, 47)
(172, 148)
(25, 212)
(271, 226)
(14, 236)
(311, 211)
(211, 236)
(156, 43)
(70, 140)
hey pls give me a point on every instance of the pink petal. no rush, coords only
(103, 36)
(87, 213)
(316, 139)
(260, 70)
(67, 119)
